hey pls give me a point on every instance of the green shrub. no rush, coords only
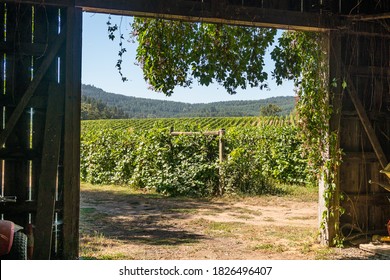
(189, 165)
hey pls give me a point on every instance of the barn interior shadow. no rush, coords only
(145, 219)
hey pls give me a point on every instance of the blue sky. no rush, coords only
(100, 55)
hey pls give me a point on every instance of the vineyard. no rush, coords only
(260, 153)
(205, 123)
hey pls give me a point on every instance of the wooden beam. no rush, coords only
(71, 162)
(27, 49)
(24, 207)
(177, 133)
(48, 60)
(222, 13)
(57, 3)
(382, 16)
(48, 176)
(330, 228)
(366, 123)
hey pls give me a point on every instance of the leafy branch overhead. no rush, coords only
(173, 53)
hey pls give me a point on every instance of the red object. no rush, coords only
(388, 227)
(7, 229)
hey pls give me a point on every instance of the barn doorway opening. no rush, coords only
(189, 165)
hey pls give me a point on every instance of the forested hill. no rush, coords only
(136, 107)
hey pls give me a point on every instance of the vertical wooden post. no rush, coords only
(48, 176)
(329, 225)
(221, 160)
(71, 147)
(221, 145)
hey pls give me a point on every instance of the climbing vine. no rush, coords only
(300, 56)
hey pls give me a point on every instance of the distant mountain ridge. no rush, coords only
(135, 107)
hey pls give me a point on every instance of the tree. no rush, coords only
(174, 53)
(270, 110)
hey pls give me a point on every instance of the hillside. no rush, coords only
(136, 107)
(94, 109)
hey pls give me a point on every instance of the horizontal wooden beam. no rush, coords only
(222, 13)
(177, 133)
(372, 17)
(7, 154)
(354, 156)
(196, 11)
(24, 207)
(377, 199)
(24, 49)
(58, 3)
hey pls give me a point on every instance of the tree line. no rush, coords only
(135, 107)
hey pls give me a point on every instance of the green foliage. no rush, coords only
(189, 165)
(173, 53)
(136, 107)
(301, 56)
(92, 108)
(270, 110)
(185, 124)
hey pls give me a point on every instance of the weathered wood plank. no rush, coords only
(58, 3)
(223, 13)
(16, 176)
(380, 249)
(274, 16)
(359, 157)
(48, 177)
(24, 49)
(333, 47)
(366, 123)
(24, 207)
(72, 134)
(377, 199)
(48, 60)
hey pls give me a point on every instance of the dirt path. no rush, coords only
(118, 225)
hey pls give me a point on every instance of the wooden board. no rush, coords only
(48, 177)
(382, 249)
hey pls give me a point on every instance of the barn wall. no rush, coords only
(39, 79)
(366, 69)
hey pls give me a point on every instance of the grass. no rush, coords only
(173, 215)
(271, 248)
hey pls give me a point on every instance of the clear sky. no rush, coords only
(101, 54)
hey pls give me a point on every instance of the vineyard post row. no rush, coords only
(221, 149)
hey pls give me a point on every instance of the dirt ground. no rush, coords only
(119, 224)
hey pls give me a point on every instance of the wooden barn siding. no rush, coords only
(31, 32)
(366, 60)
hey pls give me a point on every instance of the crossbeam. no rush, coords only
(214, 12)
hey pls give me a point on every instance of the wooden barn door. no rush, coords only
(361, 115)
(365, 133)
(40, 51)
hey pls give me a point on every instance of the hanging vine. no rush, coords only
(301, 57)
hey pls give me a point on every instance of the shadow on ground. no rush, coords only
(145, 219)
